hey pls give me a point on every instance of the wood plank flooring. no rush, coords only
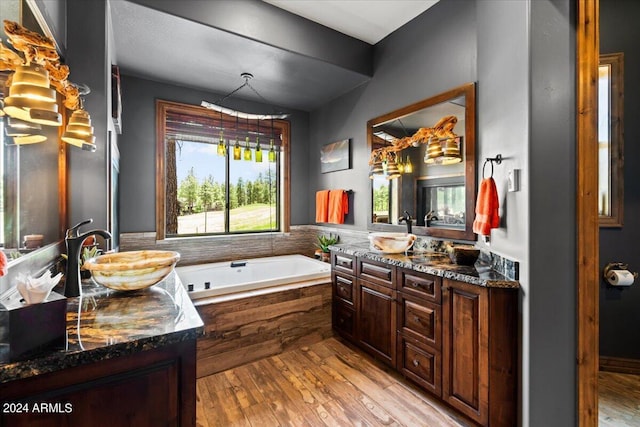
(324, 384)
(618, 399)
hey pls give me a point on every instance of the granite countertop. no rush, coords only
(104, 324)
(435, 263)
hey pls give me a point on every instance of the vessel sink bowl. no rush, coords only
(391, 243)
(131, 270)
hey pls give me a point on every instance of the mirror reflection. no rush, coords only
(423, 163)
(32, 199)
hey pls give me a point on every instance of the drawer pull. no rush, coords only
(341, 320)
(415, 284)
(416, 363)
(416, 319)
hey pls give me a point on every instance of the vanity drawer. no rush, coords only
(421, 321)
(343, 263)
(421, 285)
(376, 272)
(421, 365)
(343, 287)
(343, 319)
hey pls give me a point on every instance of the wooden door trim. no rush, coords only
(587, 52)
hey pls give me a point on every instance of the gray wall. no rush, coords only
(619, 314)
(138, 149)
(433, 53)
(522, 56)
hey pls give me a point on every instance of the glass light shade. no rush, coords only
(79, 131)
(451, 153)
(272, 152)
(434, 152)
(408, 166)
(376, 169)
(400, 166)
(236, 151)
(392, 170)
(30, 97)
(258, 153)
(29, 139)
(248, 155)
(222, 148)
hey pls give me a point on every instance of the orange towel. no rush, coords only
(322, 206)
(487, 216)
(338, 206)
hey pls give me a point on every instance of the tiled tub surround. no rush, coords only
(438, 264)
(135, 349)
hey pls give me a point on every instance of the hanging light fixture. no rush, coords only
(434, 151)
(79, 131)
(272, 150)
(392, 168)
(408, 166)
(222, 148)
(258, 150)
(236, 147)
(451, 152)
(248, 156)
(30, 97)
(22, 132)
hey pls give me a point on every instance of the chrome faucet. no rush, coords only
(406, 218)
(74, 240)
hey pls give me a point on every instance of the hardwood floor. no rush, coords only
(324, 384)
(618, 399)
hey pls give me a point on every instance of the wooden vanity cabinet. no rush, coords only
(479, 352)
(456, 340)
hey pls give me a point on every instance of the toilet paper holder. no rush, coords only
(616, 266)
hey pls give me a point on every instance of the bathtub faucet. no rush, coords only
(406, 218)
(73, 240)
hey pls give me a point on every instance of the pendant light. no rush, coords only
(247, 147)
(451, 153)
(434, 152)
(236, 147)
(30, 97)
(22, 132)
(258, 150)
(79, 131)
(272, 150)
(408, 166)
(222, 148)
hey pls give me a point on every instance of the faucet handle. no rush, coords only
(75, 230)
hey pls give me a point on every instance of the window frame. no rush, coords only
(162, 108)
(616, 141)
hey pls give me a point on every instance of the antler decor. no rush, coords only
(36, 48)
(442, 130)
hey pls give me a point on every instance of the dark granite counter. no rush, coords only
(105, 324)
(434, 263)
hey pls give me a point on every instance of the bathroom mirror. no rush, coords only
(33, 176)
(439, 197)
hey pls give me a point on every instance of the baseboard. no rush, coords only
(619, 364)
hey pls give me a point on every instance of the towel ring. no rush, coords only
(497, 159)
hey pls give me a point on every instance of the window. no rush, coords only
(610, 140)
(207, 189)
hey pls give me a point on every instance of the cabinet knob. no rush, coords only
(415, 284)
(416, 363)
(416, 319)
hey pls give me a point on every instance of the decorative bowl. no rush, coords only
(391, 243)
(464, 255)
(131, 270)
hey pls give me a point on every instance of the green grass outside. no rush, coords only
(255, 217)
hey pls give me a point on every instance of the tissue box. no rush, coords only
(28, 329)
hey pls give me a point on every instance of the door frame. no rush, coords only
(587, 225)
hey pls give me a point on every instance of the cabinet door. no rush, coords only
(376, 320)
(465, 355)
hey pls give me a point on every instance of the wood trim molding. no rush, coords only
(587, 54)
(620, 365)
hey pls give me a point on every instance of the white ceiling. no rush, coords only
(369, 21)
(158, 46)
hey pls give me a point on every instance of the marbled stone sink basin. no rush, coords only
(391, 243)
(131, 270)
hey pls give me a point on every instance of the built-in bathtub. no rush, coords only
(258, 308)
(220, 278)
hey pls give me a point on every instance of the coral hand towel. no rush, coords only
(338, 206)
(322, 206)
(487, 216)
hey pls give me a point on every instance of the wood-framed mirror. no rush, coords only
(439, 197)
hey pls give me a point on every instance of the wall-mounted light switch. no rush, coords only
(513, 180)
